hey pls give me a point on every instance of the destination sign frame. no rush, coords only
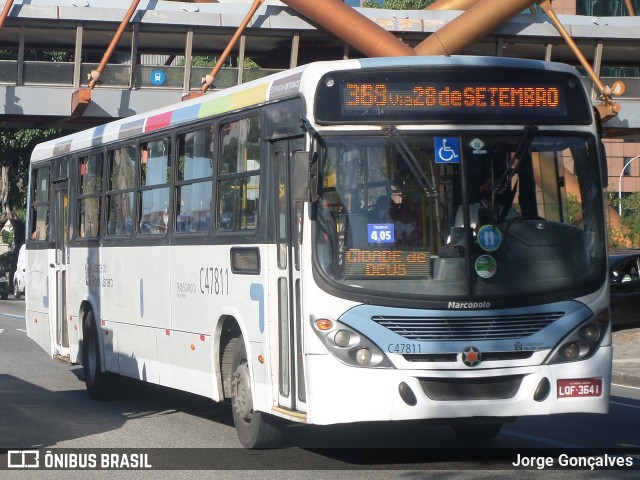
(460, 94)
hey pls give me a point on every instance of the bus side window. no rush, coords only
(90, 195)
(39, 228)
(239, 175)
(193, 181)
(153, 197)
(120, 196)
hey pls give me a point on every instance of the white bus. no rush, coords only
(361, 240)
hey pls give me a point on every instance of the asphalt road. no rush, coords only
(44, 406)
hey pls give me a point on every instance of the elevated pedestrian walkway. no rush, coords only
(49, 47)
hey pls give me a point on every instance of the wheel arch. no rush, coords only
(87, 305)
(228, 332)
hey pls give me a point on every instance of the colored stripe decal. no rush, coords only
(130, 129)
(158, 121)
(252, 96)
(186, 114)
(256, 293)
(215, 106)
(98, 132)
(284, 87)
(62, 147)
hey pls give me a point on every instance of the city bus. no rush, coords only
(386, 239)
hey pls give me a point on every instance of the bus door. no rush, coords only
(290, 375)
(58, 279)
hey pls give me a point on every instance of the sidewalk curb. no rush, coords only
(625, 379)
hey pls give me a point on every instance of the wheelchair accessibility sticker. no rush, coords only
(447, 149)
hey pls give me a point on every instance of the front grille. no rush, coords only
(453, 357)
(453, 389)
(478, 327)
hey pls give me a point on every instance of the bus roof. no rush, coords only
(280, 85)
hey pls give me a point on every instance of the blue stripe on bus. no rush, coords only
(256, 292)
(185, 114)
(98, 133)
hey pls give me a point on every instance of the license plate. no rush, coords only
(583, 387)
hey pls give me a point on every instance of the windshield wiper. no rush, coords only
(410, 159)
(521, 150)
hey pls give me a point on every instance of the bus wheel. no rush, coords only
(477, 431)
(16, 290)
(95, 379)
(255, 429)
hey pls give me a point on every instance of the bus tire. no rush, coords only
(255, 429)
(96, 381)
(16, 290)
(476, 431)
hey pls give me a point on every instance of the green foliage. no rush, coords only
(5, 260)
(15, 152)
(627, 234)
(200, 61)
(7, 237)
(630, 206)
(574, 209)
(398, 4)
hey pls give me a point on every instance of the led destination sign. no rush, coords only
(405, 95)
(385, 264)
(464, 95)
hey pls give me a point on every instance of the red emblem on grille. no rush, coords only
(471, 356)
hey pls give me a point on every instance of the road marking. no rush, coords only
(1, 330)
(21, 330)
(8, 315)
(543, 440)
(625, 405)
(625, 386)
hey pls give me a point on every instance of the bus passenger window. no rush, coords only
(122, 164)
(154, 180)
(194, 187)
(120, 214)
(239, 179)
(90, 198)
(39, 229)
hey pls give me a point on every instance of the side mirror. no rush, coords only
(314, 176)
(300, 182)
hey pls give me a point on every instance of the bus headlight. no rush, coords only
(348, 345)
(363, 356)
(581, 343)
(342, 338)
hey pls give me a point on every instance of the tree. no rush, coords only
(15, 150)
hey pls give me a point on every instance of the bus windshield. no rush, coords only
(482, 215)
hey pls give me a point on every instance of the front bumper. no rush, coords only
(342, 394)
